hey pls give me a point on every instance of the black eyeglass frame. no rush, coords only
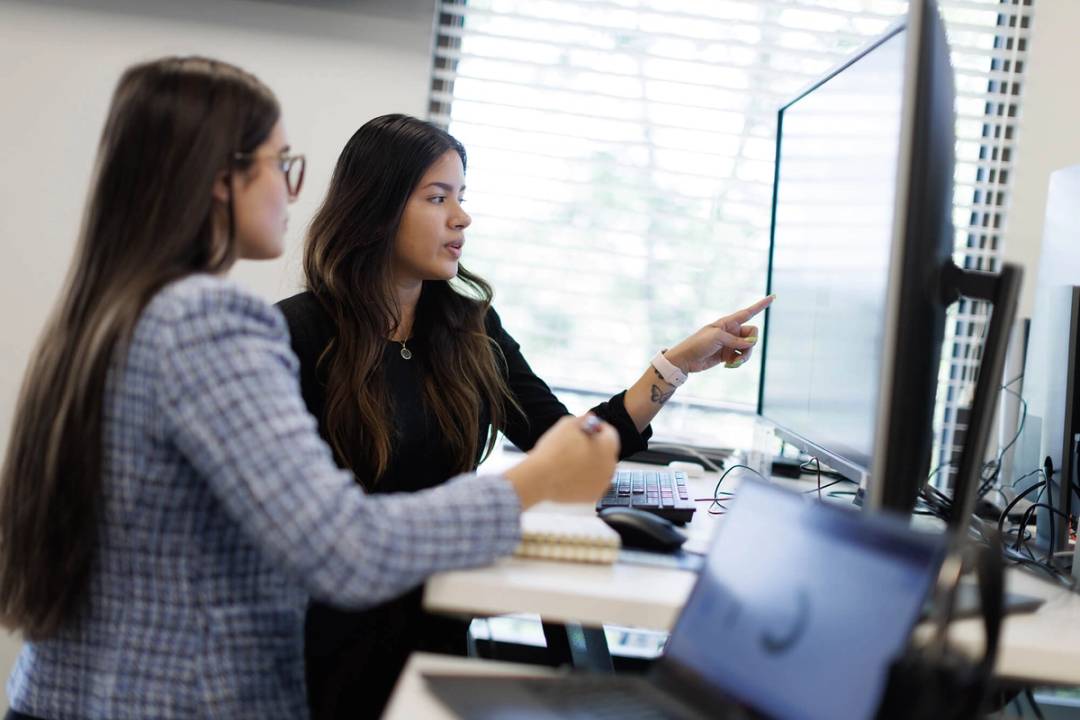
(284, 162)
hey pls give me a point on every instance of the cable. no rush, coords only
(1022, 534)
(1053, 510)
(1016, 551)
(832, 474)
(1025, 476)
(987, 481)
(717, 491)
(1018, 498)
(1019, 530)
(936, 470)
(938, 503)
(836, 477)
(1034, 705)
(715, 506)
(818, 464)
(834, 493)
(1024, 562)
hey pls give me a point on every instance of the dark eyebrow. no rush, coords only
(444, 186)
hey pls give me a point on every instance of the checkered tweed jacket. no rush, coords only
(223, 512)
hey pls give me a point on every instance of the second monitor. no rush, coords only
(861, 237)
(861, 263)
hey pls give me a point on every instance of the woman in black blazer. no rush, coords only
(411, 374)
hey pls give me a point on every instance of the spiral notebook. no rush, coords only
(575, 538)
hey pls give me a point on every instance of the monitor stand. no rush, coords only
(1002, 290)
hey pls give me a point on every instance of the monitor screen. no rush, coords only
(833, 226)
(802, 618)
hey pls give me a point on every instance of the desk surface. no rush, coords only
(1043, 646)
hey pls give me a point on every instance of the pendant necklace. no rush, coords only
(406, 353)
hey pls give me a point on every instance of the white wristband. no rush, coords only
(669, 372)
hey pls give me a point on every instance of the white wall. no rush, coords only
(333, 63)
(1049, 134)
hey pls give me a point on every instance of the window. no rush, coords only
(621, 159)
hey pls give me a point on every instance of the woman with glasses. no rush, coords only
(167, 507)
(411, 375)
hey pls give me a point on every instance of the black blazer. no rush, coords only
(311, 330)
(353, 658)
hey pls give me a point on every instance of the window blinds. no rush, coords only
(621, 154)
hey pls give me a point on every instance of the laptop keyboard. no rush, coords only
(663, 493)
(599, 699)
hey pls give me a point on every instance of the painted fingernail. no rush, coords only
(735, 363)
(752, 339)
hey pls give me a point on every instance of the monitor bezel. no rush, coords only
(850, 468)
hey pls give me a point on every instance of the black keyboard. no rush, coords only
(663, 493)
(603, 698)
(591, 697)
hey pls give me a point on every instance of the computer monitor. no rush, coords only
(1051, 377)
(860, 261)
(861, 201)
(833, 203)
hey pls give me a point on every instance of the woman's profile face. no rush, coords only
(431, 235)
(261, 200)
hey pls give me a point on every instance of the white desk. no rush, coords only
(1039, 647)
(619, 594)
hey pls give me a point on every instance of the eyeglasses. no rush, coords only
(292, 166)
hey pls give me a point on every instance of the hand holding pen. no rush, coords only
(572, 462)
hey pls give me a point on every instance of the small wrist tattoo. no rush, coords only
(659, 396)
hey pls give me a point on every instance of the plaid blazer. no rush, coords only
(223, 512)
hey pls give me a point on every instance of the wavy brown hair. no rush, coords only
(347, 264)
(172, 128)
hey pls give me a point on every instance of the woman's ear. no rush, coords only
(222, 187)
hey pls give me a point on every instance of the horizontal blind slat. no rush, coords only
(574, 115)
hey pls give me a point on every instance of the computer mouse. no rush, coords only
(642, 530)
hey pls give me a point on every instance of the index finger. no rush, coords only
(748, 312)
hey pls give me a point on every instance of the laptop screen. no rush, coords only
(802, 606)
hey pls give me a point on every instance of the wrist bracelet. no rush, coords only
(671, 374)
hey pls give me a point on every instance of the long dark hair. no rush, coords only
(173, 126)
(347, 264)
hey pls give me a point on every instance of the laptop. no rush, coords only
(798, 612)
